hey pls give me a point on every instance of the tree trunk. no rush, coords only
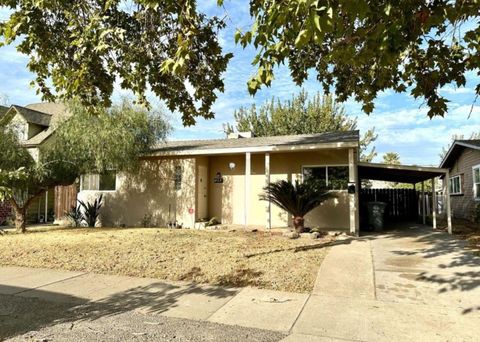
(20, 218)
(298, 223)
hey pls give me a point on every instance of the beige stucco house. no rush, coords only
(185, 182)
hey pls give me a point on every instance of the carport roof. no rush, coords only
(398, 173)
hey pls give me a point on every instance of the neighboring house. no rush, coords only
(34, 125)
(463, 162)
(185, 182)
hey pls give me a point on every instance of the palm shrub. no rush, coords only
(91, 211)
(75, 215)
(298, 199)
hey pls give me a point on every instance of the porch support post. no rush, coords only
(353, 198)
(447, 199)
(46, 207)
(423, 203)
(434, 205)
(267, 181)
(248, 170)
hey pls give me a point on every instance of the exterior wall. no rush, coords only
(34, 129)
(226, 200)
(150, 192)
(463, 205)
(20, 126)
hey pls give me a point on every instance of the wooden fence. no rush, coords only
(65, 199)
(402, 204)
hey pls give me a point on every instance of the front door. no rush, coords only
(202, 195)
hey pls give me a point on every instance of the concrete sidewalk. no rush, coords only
(413, 284)
(247, 307)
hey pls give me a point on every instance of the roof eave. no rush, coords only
(255, 149)
(450, 150)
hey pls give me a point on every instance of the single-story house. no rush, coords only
(185, 182)
(35, 125)
(463, 162)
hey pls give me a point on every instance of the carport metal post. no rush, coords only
(434, 205)
(447, 199)
(423, 203)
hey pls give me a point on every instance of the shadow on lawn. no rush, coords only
(302, 248)
(19, 315)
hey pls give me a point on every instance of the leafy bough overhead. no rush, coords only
(360, 48)
(84, 48)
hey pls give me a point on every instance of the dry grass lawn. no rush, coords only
(256, 259)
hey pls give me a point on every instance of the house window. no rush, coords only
(332, 177)
(178, 178)
(476, 182)
(455, 185)
(106, 181)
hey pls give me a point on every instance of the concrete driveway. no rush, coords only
(408, 284)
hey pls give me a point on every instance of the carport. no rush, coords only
(413, 175)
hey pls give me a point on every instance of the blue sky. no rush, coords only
(399, 120)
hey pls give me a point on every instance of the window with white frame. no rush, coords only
(332, 177)
(106, 181)
(476, 182)
(455, 185)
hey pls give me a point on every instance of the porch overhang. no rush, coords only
(399, 173)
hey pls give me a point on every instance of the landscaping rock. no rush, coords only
(314, 235)
(305, 235)
(291, 235)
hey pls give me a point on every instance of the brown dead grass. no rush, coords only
(468, 231)
(256, 259)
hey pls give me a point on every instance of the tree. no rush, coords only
(391, 158)
(360, 48)
(298, 199)
(83, 48)
(300, 115)
(84, 143)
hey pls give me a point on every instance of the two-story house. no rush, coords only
(35, 125)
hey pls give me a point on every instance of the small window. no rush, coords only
(178, 178)
(100, 182)
(455, 185)
(476, 182)
(332, 177)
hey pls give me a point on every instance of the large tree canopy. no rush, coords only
(82, 48)
(362, 47)
(300, 115)
(82, 143)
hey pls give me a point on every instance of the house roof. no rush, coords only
(258, 144)
(33, 116)
(42, 114)
(456, 148)
(57, 112)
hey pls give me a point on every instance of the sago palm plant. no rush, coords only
(298, 199)
(91, 211)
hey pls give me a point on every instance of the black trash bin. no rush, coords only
(376, 214)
